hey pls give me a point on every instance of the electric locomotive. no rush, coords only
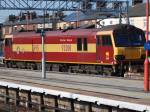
(108, 50)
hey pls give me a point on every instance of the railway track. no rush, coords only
(72, 84)
(79, 83)
(7, 74)
(128, 75)
(56, 80)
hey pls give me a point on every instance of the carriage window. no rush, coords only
(79, 44)
(98, 40)
(106, 40)
(85, 44)
(8, 42)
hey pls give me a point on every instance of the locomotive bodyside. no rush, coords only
(58, 49)
(85, 50)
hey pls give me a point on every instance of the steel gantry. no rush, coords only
(113, 6)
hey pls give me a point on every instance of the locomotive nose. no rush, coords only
(129, 53)
(132, 53)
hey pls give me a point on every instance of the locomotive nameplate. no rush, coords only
(65, 40)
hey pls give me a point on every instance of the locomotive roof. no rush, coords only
(74, 32)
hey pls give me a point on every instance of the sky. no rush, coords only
(4, 13)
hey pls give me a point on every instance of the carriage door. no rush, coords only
(98, 48)
(104, 49)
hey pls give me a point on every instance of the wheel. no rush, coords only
(39, 66)
(120, 70)
(8, 64)
(33, 66)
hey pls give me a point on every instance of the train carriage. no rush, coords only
(107, 50)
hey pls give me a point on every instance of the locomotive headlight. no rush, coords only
(119, 57)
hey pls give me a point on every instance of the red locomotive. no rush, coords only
(107, 50)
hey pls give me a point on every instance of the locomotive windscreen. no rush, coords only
(128, 36)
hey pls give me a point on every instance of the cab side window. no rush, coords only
(98, 40)
(8, 42)
(79, 44)
(106, 40)
(85, 44)
(82, 44)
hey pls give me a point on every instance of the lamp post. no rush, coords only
(146, 63)
(43, 54)
(43, 49)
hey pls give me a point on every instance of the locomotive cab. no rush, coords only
(120, 46)
(128, 47)
(104, 48)
(129, 42)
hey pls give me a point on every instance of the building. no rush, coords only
(135, 2)
(80, 19)
(137, 17)
(26, 24)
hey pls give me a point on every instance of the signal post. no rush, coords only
(43, 54)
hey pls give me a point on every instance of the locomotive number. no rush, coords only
(66, 47)
(35, 48)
